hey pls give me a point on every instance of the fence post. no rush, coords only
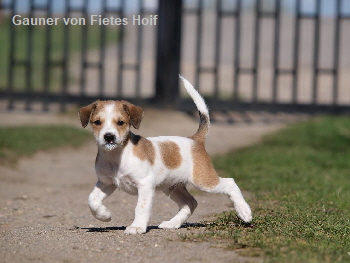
(168, 51)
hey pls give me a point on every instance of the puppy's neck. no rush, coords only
(113, 154)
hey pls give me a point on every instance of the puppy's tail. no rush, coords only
(204, 123)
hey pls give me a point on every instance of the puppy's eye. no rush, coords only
(98, 122)
(120, 123)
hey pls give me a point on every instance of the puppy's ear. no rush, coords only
(135, 113)
(85, 113)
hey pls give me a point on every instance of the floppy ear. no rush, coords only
(135, 113)
(85, 113)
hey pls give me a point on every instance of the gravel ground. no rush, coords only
(43, 201)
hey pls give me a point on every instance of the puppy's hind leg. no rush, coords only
(228, 187)
(101, 192)
(205, 178)
(187, 204)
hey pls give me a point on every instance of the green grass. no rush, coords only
(16, 142)
(39, 48)
(300, 179)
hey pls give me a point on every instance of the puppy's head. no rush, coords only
(110, 121)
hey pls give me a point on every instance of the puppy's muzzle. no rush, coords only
(109, 138)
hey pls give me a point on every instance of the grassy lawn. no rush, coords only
(16, 142)
(300, 180)
(38, 56)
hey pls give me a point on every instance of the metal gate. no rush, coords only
(76, 52)
(278, 55)
(262, 55)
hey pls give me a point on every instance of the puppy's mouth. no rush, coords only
(110, 141)
(110, 146)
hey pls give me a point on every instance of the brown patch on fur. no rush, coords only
(204, 174)
(170, 153)
(135, 113)
(86, 112)
(143, 148)
(203, 128)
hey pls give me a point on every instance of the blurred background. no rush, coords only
(243, 55)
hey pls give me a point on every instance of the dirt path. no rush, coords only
(43, 202)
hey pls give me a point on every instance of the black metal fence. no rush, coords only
(278, 55)
(270, 55)
(60, 52)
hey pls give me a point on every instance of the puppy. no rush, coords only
(140, 166)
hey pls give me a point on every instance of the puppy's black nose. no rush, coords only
(109, 137)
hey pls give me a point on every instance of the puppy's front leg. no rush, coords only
(100, 192)
(142, 211)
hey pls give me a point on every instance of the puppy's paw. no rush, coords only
(243, 211)
(170, 224)
(102, 214)
(133, 230)
(104, 217)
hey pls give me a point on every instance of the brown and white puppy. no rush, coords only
(140, 166)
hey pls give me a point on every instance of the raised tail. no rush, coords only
(204, 122)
